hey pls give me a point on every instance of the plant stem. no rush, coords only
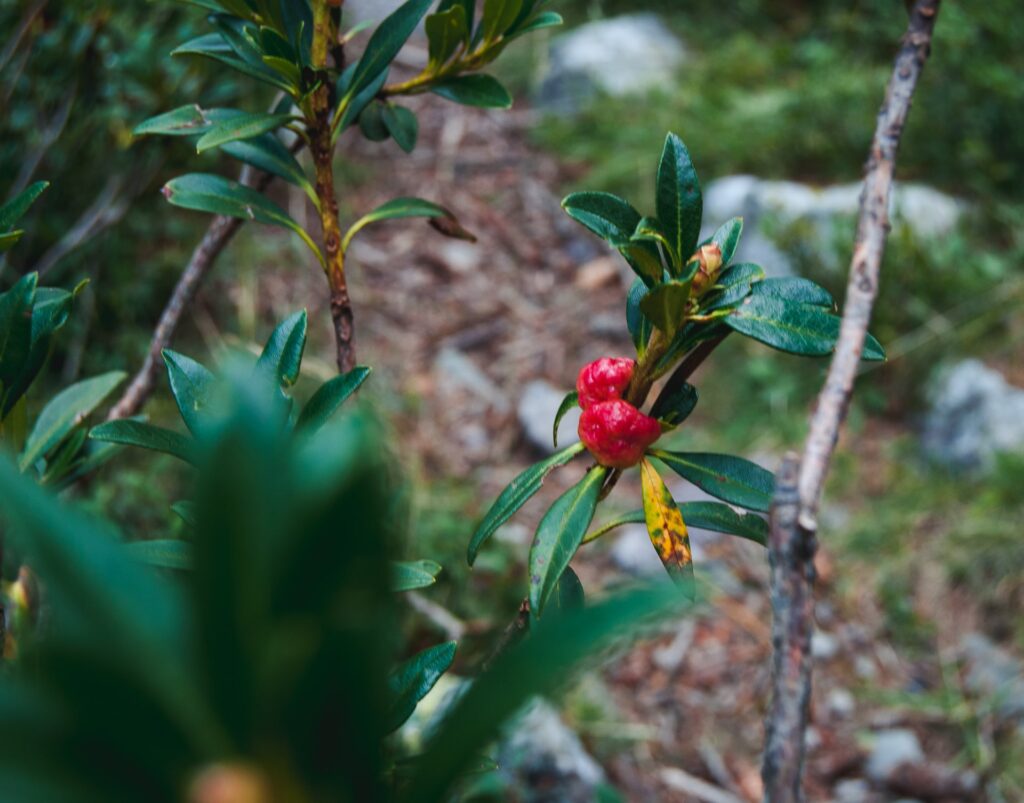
(324, 34)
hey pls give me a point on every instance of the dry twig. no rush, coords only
(799, 487)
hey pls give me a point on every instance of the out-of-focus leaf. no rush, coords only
(446, 30)
(570, 401)
(64, 412)
(569, 595)
(282, 355)
(498, 17)
(546, 19)
(192, 386)
(731, 479)
(516, 495)
(128, 432)
(476, 89)
(185, 511)
(679, 201)
(329, 397)
(16, 330)
(410, 575)
(164, 553)
(385, 43)
(666, 527)
(13, 211)
(402, 125)
(413, 679)
(559, 535)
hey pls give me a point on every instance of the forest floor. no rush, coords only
(456, 330)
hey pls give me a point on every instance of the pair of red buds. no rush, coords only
(616, 433)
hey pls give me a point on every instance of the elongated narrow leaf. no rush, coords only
(666, 527)
(357, 103)
(412, 680)
(164, 553)
(569, 595)
(184, 121)
(245, 126)
(402, 125)
(282, 355)
(680, 205)
(395, 209)
(387, 40)
(792, 327)
(498, 17)
(516, 495)
(328, 398)
(446, 30)
(731, 479)
(268, 153)
(675, 408)
(796, 290)
(13, 211)
(714, 516)
(66, 411)
(10, 239)
(546, 19)
(727, 237)
(560, 534)
(477, 89)
(570, 401)
(410, 575)
(206, 192)
(213, 46)
(192, 386)
(16, 329)
(734, 284)
(614, 220)
(128, 432)
(639, 325)
(665, 306)
(538, 666)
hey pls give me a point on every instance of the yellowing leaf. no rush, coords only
(666, 527)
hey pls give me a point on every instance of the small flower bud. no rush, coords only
(710, 258)
(616, 433)
(603, 380)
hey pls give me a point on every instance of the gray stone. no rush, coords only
(459, 370)
(994, 673)
(545, 761)
(892, 748)
(824, 646)
(974, 415)
(537, 408)
(855, 790)
(840, 703)
(633, 553)
(619, 56)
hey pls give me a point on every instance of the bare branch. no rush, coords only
(799, 485)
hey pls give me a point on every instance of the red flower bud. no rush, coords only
(616, 433)
(603, 380)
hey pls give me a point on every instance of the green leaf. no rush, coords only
(516, 495)
(64, 412)
(479, 90)
(181, 122)
(245, 126)
(570, 401)
(402, 125)
(731, 479)
(651, 233)
(796, 290)
(680, 204)
(394, 209)
(546, 19)
(672, 410)
(186, 511)
(569, 595)
(445, 32)
(539, 665)
(269, 154)
(498, 17)
(559, 535)
(282, 355)
(353, 109)
(206, 192)
(734, 284)
(328, 398)
(665, 306)
(164, 553)
(13, 211)
(639, 325)
(614, 220)
(712, 516)
(387, 40)
(411, 681)
(128, 432)
(666, 527)
(10, 239)
(192, 385)
(214, 47)
(792, 327)
(727, 237)
(16, 330)
(243, 39)
(410, 575)
(371, 122)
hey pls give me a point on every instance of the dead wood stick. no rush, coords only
(799, 486)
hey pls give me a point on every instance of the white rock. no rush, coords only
(824, 646)
(841, 703)
(536, 411)
(975, 414)
(892, 748)
(622, 55)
